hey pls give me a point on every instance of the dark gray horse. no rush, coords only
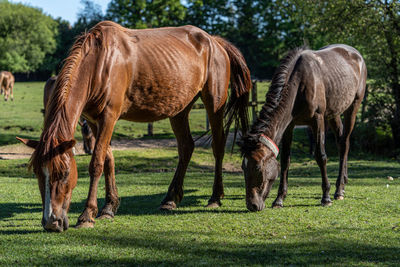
(308, 88)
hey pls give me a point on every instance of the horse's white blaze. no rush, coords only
(47, 198)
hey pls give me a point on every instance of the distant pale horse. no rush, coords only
(7, 81)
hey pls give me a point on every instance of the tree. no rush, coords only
(140, 14)
(215, 17)
(88, 16)
(26, 36)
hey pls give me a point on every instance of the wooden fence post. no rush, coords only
(150, 129)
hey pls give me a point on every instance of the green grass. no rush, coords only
(362, 230)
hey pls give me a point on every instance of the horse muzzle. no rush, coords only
(255, 205)
(55, 224)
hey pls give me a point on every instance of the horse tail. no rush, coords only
(236, 109)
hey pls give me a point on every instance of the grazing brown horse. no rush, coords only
(87, 134)
(138, 75)
(7, 84)
(308, 88)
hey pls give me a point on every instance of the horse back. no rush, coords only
(334, 77)
(155, 73)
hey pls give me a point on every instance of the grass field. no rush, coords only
(362, 230)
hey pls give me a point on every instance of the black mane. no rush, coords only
(273, 101)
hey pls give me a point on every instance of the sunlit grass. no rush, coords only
(362, 230)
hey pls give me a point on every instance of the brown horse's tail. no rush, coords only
(236, 109)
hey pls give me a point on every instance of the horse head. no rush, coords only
(57, 176)
(260, 169)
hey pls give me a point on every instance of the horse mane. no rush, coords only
(274, 101)
(56, 126)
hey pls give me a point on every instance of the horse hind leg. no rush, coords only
(216, 118)
(180, 126)
(321, 158)
(337, 127)
(344, 145)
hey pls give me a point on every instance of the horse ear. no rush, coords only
(28, 142)
(64, 146)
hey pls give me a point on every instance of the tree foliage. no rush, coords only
(26, 36)
(140, 14)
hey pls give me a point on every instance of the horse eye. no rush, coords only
(65, 177)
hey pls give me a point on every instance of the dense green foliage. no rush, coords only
(26, 36)
(140, 14)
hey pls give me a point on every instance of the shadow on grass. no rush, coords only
(172, 247)
(7, 210)
(131, 205)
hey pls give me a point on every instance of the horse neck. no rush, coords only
(281, 118)
(67, 115)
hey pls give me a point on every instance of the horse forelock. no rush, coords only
(274, 101)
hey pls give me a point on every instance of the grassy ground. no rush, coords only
(362, 230)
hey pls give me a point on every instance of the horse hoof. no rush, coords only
(339, 197)
(170, 205)
(84, 225)
(277, 206)
(105, 216)
(213, 205)
(326, 203)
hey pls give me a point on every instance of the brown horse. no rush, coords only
(308, 88)
(138, 75)
(87, 134)
(7, 84)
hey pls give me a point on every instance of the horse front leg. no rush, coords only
(106, 126)
(285, 162)
(11, 89)
(112, 202)
(321, 158)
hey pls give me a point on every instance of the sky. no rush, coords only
(66, 9)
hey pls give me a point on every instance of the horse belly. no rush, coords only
(153, 104)
(338, 100)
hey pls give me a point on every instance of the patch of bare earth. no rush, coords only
(21, 151)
